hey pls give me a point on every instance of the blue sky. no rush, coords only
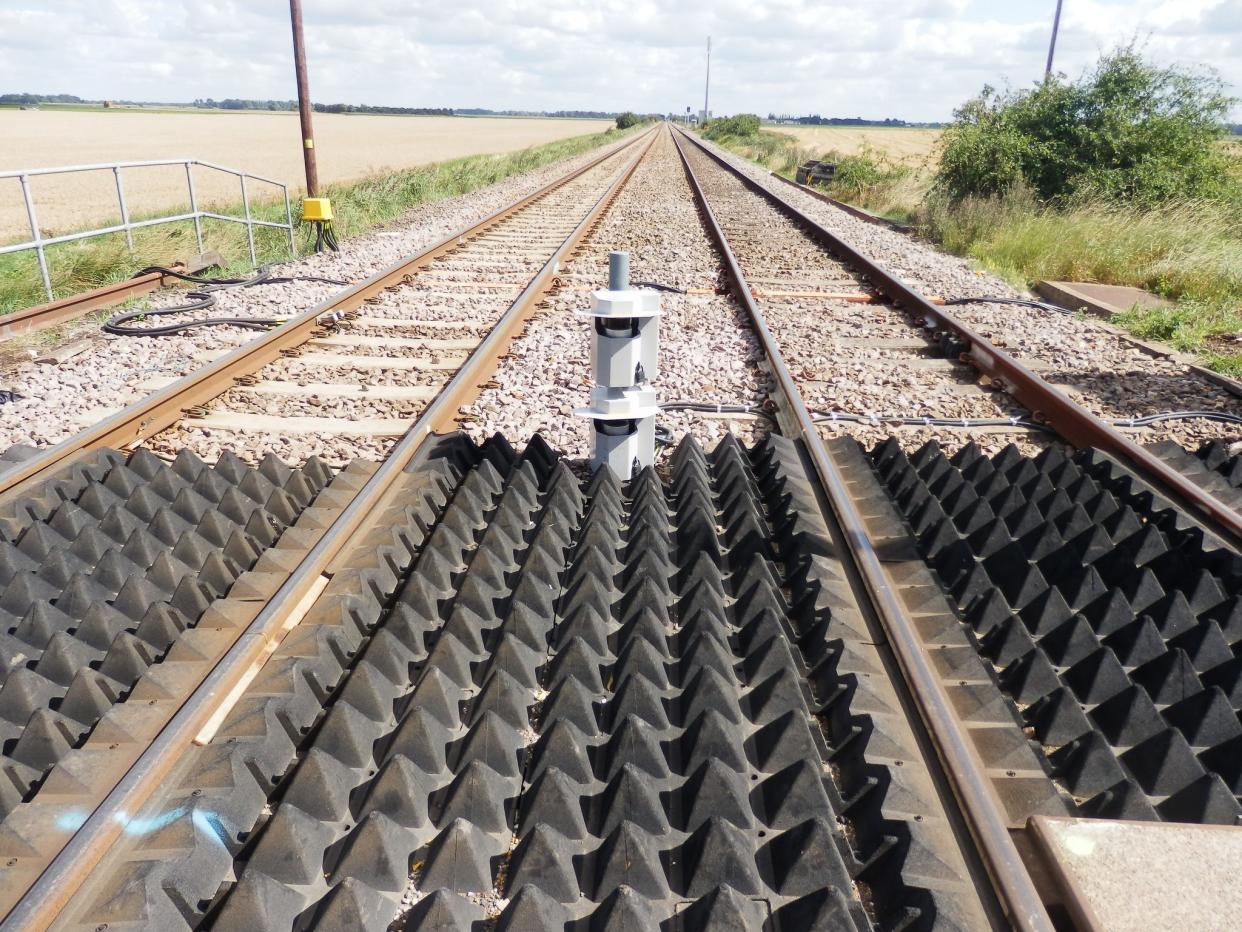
(915, 59)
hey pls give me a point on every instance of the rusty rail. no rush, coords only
(162, 409)
(42, 316)
(975, 794)
(1070, 420)
(70, 869)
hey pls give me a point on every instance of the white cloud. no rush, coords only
(915, 59)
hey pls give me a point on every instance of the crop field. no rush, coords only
(349, 146)
(899, 144)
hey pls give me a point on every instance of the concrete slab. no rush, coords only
(1140, 876)
(1101, 300)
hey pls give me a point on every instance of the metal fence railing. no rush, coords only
(39, 242)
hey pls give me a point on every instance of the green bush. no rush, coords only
(863, 172)
(1128, 130)
(627, 119)
(741, 126)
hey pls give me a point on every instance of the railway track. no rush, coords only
(346, 348)
(434, 683)
(1099, 764)
(547, 224)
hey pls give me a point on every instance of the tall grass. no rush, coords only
(1181, 250)
(877, 183)
(359, 206)
(868, 179)
(779, 152)
(1188, 251)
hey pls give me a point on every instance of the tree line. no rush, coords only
(233, 103)
(238, 103)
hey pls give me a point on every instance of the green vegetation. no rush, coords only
(871, 180)
(359, 207)
(1124, 176)
(742, 126)
(627, 119)
(1127, 131)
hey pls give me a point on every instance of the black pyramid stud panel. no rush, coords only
(548, 704)
(1112, 621)
(102, 567)
(1217, 457)
(1212, 468)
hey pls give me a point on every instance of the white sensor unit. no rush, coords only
(623, 420)
(625, 347)
(624, 359)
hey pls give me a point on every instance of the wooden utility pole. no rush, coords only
(1052, 46)
(304, 100)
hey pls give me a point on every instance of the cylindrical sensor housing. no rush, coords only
(626, 338)
(624, 348)
(624, 425)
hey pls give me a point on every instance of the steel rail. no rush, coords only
(975, 795)
(42, 316)
(69, 870)
(164, 408)
(1070, 420)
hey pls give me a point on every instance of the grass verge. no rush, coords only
(1189, 251)
(360, 206)
(868, 179)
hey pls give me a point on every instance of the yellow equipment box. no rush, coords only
(316, 208)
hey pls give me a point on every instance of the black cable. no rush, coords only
(264, 277)
(1223, 417)
(1023, 302)
(708, 407)
(324, 235)
(117, 324)
(173, 273)
(204, 297)
(830, 417)
(656, 286)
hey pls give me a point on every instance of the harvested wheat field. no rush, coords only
(349, 146)
(903, 145)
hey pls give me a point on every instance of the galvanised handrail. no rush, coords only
(39, 242)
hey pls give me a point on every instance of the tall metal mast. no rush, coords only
(1052, 46)
(707, 84)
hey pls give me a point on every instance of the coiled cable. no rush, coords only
(204, 297)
